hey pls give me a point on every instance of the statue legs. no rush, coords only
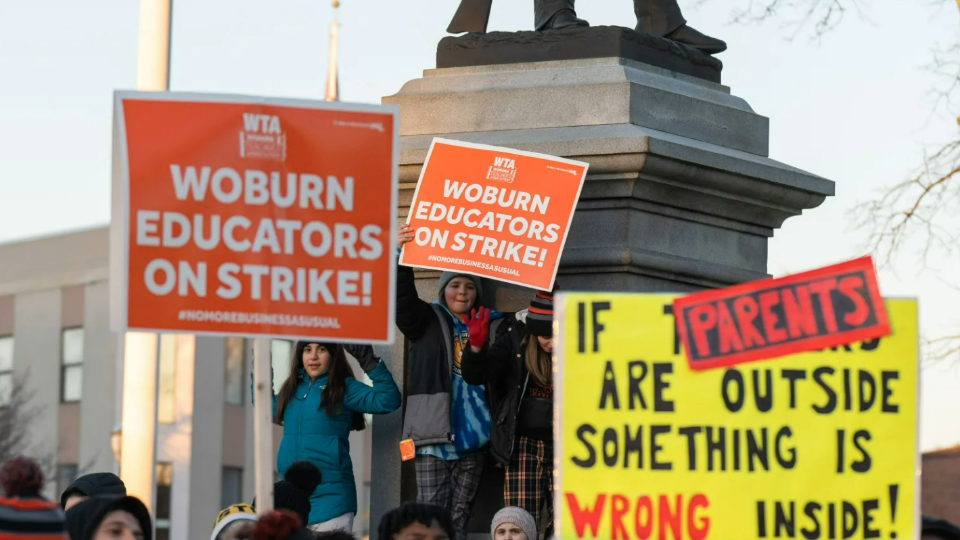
(658, 17)
(663, 18)
(555, 14)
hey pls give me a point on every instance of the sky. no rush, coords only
(855, 106)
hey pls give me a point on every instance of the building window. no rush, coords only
(164, 489)
(280, 351)
(6, 370)
(71, 360)
(66, 474)
(167, 384)
(233, 372)
(231, 487)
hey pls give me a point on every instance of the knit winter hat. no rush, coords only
(294, 491)
(94, 485)
(519, 517)
(84, 519)
(25, 514)
(447, 277)
(232, 514)
(540, 315)
(23, 519)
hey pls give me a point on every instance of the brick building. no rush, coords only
(940, 484)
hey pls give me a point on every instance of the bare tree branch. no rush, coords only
(17, 416)
(824, 15)
(919, 216)
(921, 211)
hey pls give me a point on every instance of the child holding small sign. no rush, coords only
(519, 367)
(447, 419)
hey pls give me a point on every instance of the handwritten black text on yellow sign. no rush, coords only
(817, 446)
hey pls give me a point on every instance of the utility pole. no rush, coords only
(333, 80)
(139, 352)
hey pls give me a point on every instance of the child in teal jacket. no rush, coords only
(318, 405)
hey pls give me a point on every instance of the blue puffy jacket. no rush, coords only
(309, 434)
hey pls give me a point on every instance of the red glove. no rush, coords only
(479, 326)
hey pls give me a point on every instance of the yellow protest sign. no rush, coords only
(814, 446)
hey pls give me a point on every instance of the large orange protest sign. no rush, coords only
(244, 216)
(493, 212)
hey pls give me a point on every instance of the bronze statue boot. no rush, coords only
(556, 14)
(697, 40)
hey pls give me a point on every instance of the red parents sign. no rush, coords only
(253, 217)
(770, 318)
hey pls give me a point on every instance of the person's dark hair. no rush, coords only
(21, 477)
(409, 513)
(280, 525)
(333, 394)
(334, 535)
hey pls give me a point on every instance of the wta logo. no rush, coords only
(503, 170)
(262, 138)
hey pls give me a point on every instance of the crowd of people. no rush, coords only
(97, 507)
(479, 393)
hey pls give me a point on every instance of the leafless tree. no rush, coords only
(798, 15)
(17, 416)
(920, 215)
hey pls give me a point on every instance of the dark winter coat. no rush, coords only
(429, 332)
(501, 366)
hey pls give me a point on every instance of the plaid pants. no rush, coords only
(451, 485)
(529, 481)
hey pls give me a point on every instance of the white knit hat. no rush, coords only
(519, 517)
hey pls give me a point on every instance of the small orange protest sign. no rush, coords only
(244, 216)
(493, 212)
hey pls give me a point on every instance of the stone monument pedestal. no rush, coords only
(681, 194)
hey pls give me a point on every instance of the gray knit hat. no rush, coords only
(447, 277)
(519, 517)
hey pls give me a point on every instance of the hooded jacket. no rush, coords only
(84, 519)
(93, 485)
(429, 332)
(309, 434)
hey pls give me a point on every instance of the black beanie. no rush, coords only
(540, 315)
(94, 485)
(294, 491)
(84, 519)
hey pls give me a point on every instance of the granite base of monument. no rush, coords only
(681, 194)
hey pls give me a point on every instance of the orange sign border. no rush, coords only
(119, 263)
